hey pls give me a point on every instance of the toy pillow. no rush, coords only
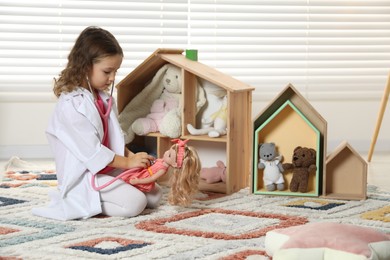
(325, 241)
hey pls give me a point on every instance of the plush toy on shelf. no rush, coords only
(213, 116)
(270, 161)
(303, 163)
(157, 108)
(214, 174)
(164, 115)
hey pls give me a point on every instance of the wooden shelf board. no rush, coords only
(286, 193)
(222, 139)
(219, 187)
(343, 196)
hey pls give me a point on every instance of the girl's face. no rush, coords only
(103, 72)
(170, 157)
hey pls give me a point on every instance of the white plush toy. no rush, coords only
(213, 114)
(157, 108)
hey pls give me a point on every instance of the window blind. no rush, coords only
(327, 49)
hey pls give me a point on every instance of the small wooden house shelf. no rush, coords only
(237, 141)
(289, 121)
(346, 174)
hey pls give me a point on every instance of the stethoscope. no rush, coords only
(104, 116)
(100, 105)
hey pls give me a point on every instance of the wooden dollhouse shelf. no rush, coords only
(221, 139)
(346, 174)
(236, 143)
(289, 121)
(218, 187)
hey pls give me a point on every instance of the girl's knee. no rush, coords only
(130, 209)
(135, 205)
(153, 197)
(136, 208)
(123, 201)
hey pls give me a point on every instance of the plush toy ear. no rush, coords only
(312, 152)
(297, 148)
(221, 165)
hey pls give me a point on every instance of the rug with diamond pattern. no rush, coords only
(214, 227)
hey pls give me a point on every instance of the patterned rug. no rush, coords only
(215, 227)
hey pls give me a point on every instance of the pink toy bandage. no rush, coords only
(181, 151)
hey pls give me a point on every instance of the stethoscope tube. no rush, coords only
(104, 115)
(109, 100)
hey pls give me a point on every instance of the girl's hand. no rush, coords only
(139, 160)
(134, 181)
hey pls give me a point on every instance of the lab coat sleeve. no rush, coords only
(80, 130)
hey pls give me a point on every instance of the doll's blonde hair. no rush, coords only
(185, 180)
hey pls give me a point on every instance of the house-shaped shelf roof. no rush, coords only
(142, 74)
(290, 116)
(346, 174)
(289, 136)
(292, 94)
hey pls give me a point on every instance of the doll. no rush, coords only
(185, 177)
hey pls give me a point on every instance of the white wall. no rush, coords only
(22, 131)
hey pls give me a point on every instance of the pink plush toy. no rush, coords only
(164, 114)
(214, 174)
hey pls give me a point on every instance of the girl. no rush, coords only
(86, 138)
(185, 179)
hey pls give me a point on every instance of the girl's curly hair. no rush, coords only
(92, 45)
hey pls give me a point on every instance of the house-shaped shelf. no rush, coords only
(236, 143)
(346, 174)
(289, 121)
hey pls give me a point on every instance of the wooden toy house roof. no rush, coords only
(290, 93)
(342, 147)
(142, 74)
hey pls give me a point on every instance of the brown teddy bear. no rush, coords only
(303, 163)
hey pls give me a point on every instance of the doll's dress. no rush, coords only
(147, 172)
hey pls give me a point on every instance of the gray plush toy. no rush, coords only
(271, 163)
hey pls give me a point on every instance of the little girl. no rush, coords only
(86, 138)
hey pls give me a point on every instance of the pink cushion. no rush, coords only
(327, 241)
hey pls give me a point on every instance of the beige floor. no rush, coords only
(378, 169)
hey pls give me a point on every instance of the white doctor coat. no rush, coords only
(75, 133)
